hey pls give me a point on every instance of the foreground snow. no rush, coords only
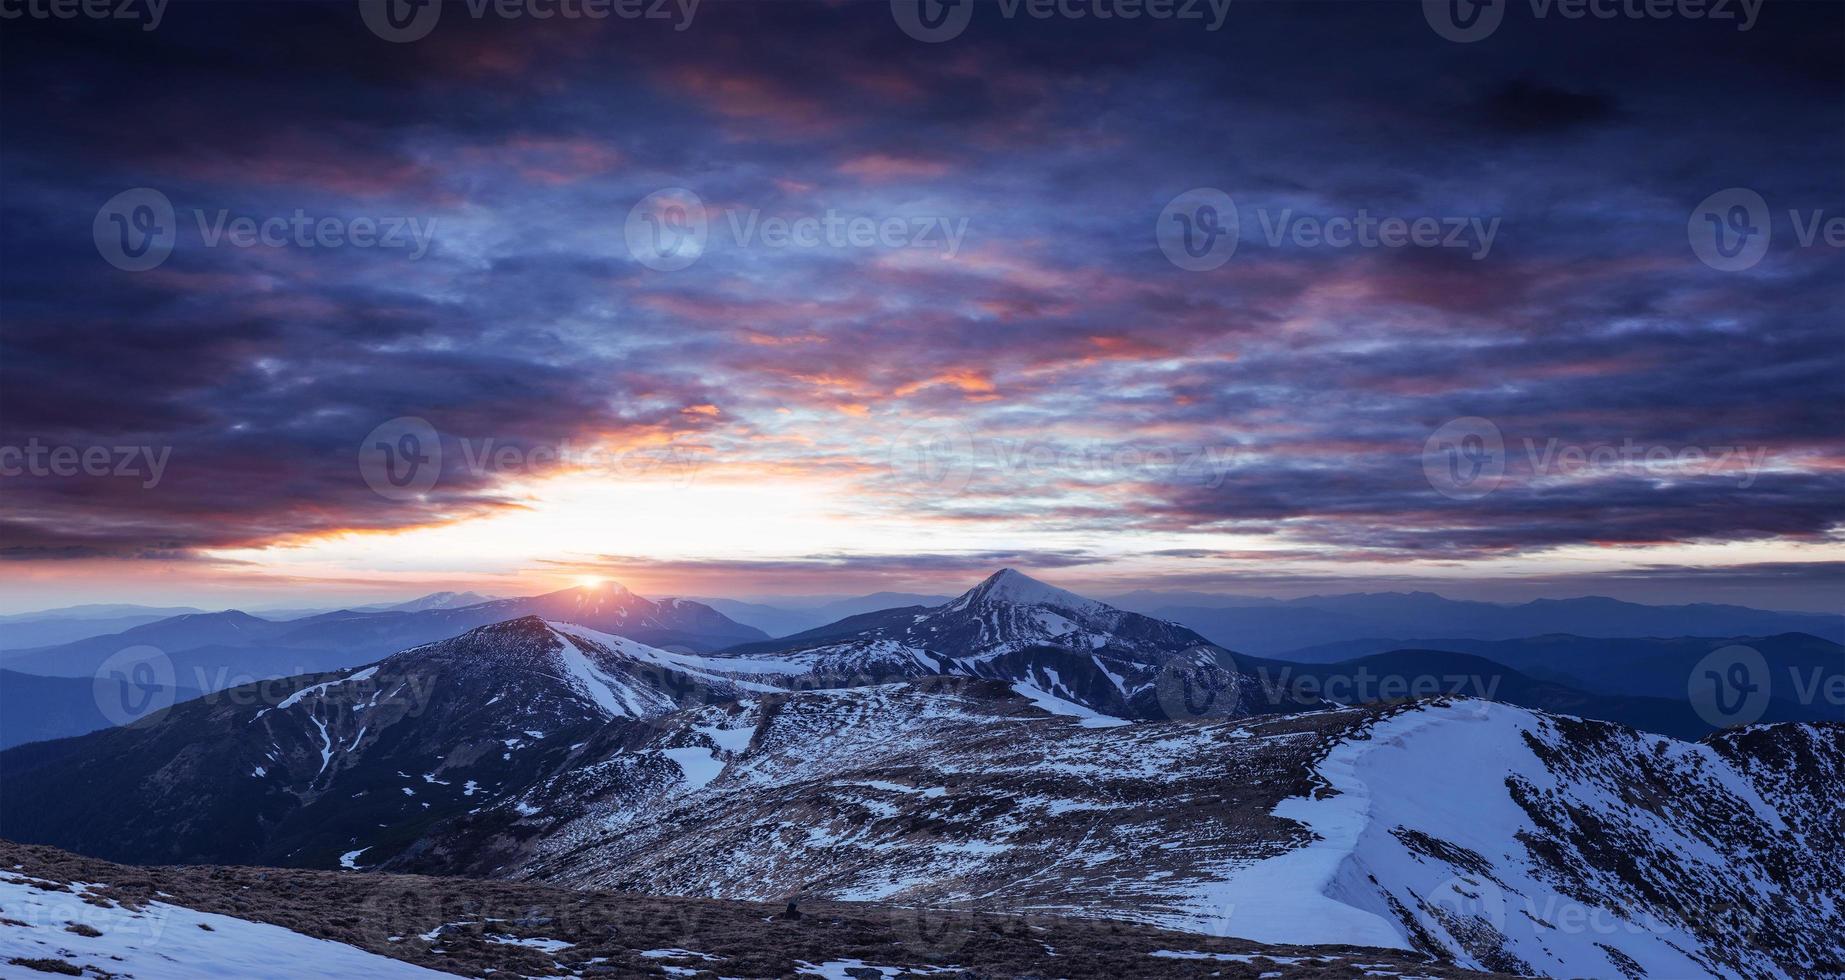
(167, 942)
(1425, 819)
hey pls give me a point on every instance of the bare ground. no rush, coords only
(471, 926)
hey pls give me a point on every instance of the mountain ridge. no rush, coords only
(246, 647)
(546, 751)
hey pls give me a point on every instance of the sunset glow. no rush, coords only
(900, 337)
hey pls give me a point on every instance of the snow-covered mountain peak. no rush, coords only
(1014, 587)
(1068, 648)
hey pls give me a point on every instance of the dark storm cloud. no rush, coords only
(1524, 107)
(524, 145)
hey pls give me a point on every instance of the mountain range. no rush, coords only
(1275, 627)
(25, 630)
(1018, 749)
(211, 651)
(1490, 836)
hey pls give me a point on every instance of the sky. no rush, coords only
(299, 304)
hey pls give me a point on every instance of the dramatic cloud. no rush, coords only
(930, 292)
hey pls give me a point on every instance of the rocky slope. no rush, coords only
(1496, 837)
(287, 771)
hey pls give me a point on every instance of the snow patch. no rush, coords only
(1069, 709)
(699, 764)
(170, 942)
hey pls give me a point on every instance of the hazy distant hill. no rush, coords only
(1641, 666)
(34, 708)
(21, 634)
(1401, 673)
(1276, 627)
(213, 650)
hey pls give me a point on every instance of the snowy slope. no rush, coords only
(159, 941)
(1497, 837)
(1514, 841)
(1024, 806)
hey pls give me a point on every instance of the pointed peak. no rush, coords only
(1009, 585)
(1011, 578)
